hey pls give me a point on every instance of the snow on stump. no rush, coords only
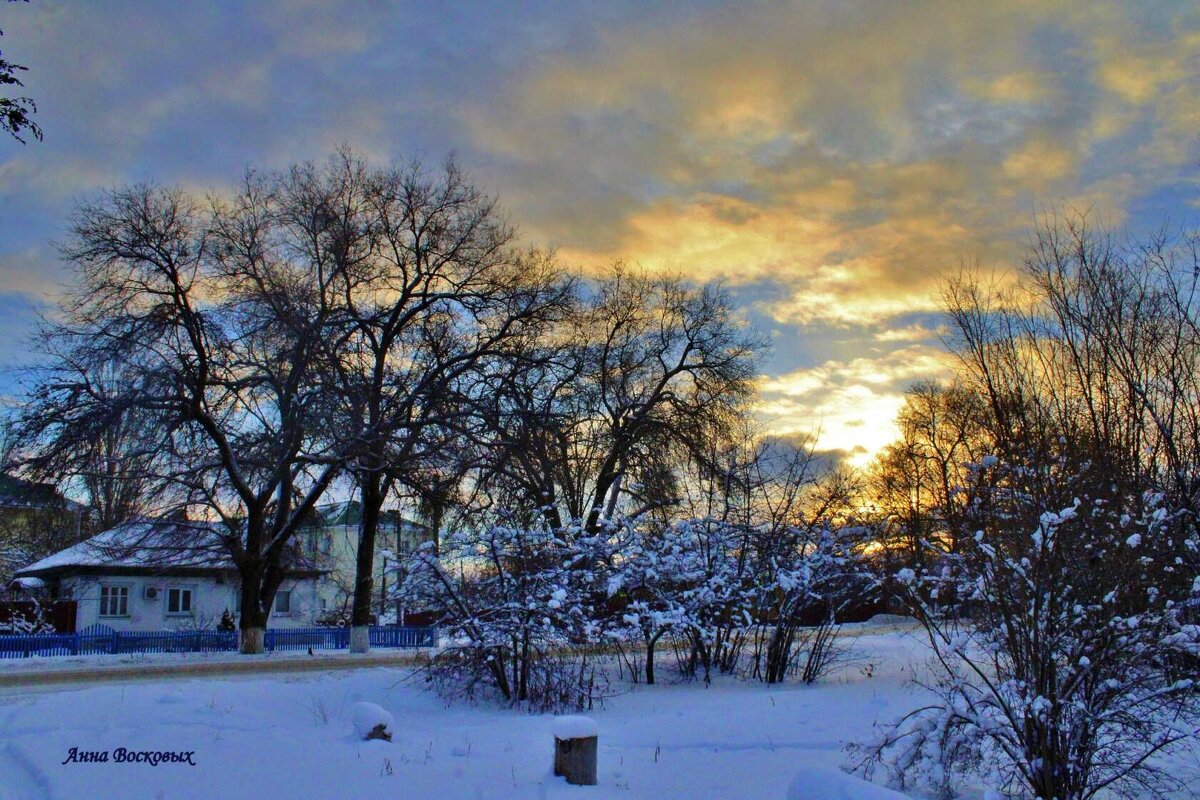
(372, 722)
(575, 749)
(826, 783)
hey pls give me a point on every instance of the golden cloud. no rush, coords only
(852, 154)
(849, 406)
(1040, 162)
(1024, 86)
(1138, 75)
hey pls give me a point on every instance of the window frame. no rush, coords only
(191, 601)
(121, 599)
(283, 612)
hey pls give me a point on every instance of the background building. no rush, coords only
(331, 543)
(35, 521)
(146, 576)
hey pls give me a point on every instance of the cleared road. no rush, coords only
(24, 675)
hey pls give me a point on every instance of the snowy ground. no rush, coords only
(292, 737)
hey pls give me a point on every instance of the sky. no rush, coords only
(830, 162)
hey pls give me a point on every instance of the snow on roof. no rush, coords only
(152, 544)
(348, 513)
(29, 583)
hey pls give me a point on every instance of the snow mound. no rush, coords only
(824, 783)
(368, 717)
(574, 727)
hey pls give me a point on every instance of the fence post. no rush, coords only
(113, 648)
(75, 644)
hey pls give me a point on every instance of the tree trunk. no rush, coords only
(251, 640)
(497, 668)
(650, 660)
(261, 577)
(523, 692)
(603, 484)
(364, 578)
(252, 622)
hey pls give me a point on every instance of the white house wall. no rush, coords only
(339, 558)
(210, 599)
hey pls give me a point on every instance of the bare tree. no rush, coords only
(919, 484)
(1092, 357)
(218, 315)
(111, 452)
(15, 111)
(593, 421)
(437, 288)
(1078, 553)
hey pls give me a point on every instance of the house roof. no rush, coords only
(152, 546)
(19, 493)
(348, 513)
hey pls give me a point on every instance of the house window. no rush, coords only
(283, 602)
(114, 601)
(179, 600)
(326, 544)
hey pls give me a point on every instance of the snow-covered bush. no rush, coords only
(516, 604)
(805, 578)
(526, 608)
(681, 579)
(710, 586)
(25, 624)
(1073, 670)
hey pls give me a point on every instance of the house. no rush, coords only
(330, 540)
(160, 575)
(35, 519)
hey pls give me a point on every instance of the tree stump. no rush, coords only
(575, 749)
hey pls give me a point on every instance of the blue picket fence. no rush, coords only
(117, 642)
(305, 638)
(404, 637)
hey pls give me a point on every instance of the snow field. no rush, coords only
(823, 783)
(293, 737)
